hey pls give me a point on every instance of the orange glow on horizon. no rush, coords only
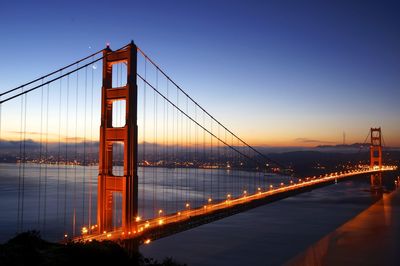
(273, 142)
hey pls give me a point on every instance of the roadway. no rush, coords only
(149, 230)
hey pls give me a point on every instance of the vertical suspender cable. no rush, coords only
(178, 157)
(154, 152)
(187, 185)
(195, 159)
(144, 139)
(76, 152)
(211, 160)
(59, 150)
(167, 149)
(175, 185)
(182, 156)
(20, 168)
(164, 159)
(23, 166)
(227, 158)
(46, 160)
(204, 159)
(178, 131)
(66, 158)
(84, 152)
(91, 159)
(235, 178)
(156, 203)
(40, 155)
(219, 164)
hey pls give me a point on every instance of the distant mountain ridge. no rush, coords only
(351, 146)
(354, 145)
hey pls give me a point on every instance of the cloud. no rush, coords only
(307, 140)
(33, 134)
(73, 139)
(41, 137)
(28, 133)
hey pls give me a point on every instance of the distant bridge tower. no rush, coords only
(376, 159)
(376, 148)
(108, 183)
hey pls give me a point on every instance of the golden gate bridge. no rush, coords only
(159, 164)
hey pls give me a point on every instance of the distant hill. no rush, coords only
(333, 159)
(343, 146)
(349, 147)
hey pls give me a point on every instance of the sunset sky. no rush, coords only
(278, 73)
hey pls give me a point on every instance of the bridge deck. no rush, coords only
(167, 225)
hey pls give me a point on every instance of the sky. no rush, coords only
(277, 73)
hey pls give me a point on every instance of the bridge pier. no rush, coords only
(376, 183)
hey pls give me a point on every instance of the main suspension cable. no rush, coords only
(50, 74)
(212, 117)
(197, 123)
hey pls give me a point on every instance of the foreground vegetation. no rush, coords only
(29, 249)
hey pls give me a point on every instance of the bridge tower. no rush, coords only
(376, 148)
(376, 159)
(108, 183)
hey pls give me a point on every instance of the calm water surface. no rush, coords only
(60, 200)
(272, 234)
(268, 235)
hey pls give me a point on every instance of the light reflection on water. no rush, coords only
(58, 199)
(369, 238)
(274, 233)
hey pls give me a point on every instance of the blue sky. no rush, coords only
(280, 73)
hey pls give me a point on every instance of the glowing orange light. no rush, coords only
(147, 241)
(84, 230)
